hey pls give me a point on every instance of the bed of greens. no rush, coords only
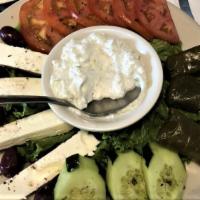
(174, 122)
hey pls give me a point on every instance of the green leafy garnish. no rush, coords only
(135, 137)
(32, 150)
(13, 112)
(165, 49)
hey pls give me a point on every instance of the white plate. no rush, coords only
(189, 32)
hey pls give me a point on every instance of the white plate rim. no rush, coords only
(187, 26)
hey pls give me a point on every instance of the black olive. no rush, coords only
(10, 163)
(12, 36)
(72, 162)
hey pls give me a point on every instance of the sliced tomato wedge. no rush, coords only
(61, 8)
(53, 35)
(35, 29)
(123, 14)
(104, 10)
(81, 12)
(156, 17)
(119, 12)
(130, 6)
(53, 19)
(33, 26)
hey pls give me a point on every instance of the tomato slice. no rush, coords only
(80, 11)
(103, 9)
(33, 26)
(124, 12)
(156, 17)
(119, 12)
(130, 6)
(53, 35)
(35, 29)
(53, 19)
(61, 8)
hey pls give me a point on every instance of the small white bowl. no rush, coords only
(118, 120)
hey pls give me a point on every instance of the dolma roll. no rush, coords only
(184, 93)
(182, 135)
(186, 62)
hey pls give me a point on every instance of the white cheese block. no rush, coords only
(40, 125)
(21, 58)
(45, 169)
(20, 86)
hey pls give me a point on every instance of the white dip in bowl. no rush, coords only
(95, 67)
(100, 62)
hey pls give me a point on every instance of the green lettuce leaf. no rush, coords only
(32, 150)
(165, 49)
(13, 112)
(135, 137)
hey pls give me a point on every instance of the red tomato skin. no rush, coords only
(53, 19)
(125, 20)
(28, 31)
(81, 12)
(155, 16)
(150, 18)
(53, 35)
(103, 9)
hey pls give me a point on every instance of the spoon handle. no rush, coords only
(16, 99)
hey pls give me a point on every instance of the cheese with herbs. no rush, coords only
(21, 58)
(20, 86)
(40, 125)
(45, 169)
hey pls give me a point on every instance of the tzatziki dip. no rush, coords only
(95, 67)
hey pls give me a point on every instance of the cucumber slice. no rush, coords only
(84, 182)
(165, 176)
(125, 177)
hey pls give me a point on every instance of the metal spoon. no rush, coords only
(95, 108)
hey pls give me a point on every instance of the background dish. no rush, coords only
(189, 32)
